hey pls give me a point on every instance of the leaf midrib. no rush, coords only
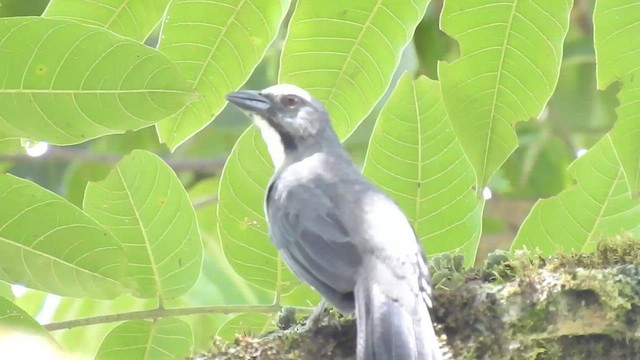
(57, 260)
(152, 260)
(351, 52)
(492, 119)
(419, 180)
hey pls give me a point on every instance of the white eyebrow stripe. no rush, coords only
(287, 89)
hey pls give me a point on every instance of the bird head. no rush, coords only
(292, 121)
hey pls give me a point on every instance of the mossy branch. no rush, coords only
(521, 306)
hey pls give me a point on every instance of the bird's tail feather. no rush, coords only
(388, 330)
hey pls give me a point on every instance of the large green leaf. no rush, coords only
(616, 27)
(598, 205)
(241, 223)
(219, 283)
(345, 52)
(144, 205)
(130, 18)
(66, 83)
(50, 245)
(14, 318)
(217, 45)
(138, 339)
(510, 59)
(415, 157)
(5, 291)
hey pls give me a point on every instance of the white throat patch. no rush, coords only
(272, 139)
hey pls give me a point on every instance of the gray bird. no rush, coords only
(338, 232)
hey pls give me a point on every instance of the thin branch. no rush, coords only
(200, 203)
(60, 154)
(163, 313)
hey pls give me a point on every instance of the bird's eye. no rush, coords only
(290, 101)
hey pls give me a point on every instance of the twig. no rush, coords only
(58, 154)
(163, 313)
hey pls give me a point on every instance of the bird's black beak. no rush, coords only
(250, 101)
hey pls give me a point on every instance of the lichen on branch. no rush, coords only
(517, 306)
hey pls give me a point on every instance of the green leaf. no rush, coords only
(5, 290)
(345, 52)
(146, 208)
(241, 223)
(50, 245)
(32, 301)
(65, 83)
(219, 283)
(132, 19)
(251, 324)
(510, 59)
(217, 45)
(22, 8)
(11, 316)
(598, 205)
(169, 339)
(415, 157)
(616, 26)
(625, 134)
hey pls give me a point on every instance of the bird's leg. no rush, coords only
(320, 314)
(314, 320)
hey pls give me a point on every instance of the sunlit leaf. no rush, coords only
(168, 338)
(217, 45)
(241, 223)
(345, 52)
(146, 208)
(597, 206)
(616, 27)
(65, 83)
(415, 157)
(246, 324)
(130, 18)
(50, 245)
(219, 282)
(510, 58)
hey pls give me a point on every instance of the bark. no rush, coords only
(518, 306)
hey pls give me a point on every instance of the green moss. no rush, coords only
(518, 306)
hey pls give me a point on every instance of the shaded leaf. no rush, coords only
(510, 59)
(65, 83)
(130, 18)
(616, 26)
(168, 338)
(14, 318)
(217, 45)
(345, 53)
(598, 205)
(50, 245)
(146, 208)
(414, 156)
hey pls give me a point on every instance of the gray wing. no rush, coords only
(315, 241)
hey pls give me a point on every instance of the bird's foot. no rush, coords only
(320, 314)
